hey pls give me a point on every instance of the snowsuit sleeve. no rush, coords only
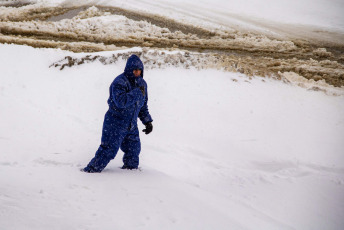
(122, 98)
(144, 115)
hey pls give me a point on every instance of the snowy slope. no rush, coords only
(327, 14)
(227, 151)
(322, 13)
(319, 21)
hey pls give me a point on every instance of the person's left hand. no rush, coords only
(149, 128)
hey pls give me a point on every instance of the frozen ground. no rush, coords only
(292, 18)
(257, 45)
(227, 151)
(321, 19)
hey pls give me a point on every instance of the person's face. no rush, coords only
(137, 72)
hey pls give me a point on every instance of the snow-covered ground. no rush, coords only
(323, 13)
(319, 20)
(274, 49)
(226, 152)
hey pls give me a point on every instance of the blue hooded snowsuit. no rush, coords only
(126, 104)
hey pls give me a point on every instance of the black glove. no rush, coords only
(149, 128)
(142, 88)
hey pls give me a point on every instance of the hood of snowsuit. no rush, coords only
(133, 62)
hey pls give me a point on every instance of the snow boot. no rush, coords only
(129, 167)
(89, 169)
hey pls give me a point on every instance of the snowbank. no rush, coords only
(92, 29)
(162, 59)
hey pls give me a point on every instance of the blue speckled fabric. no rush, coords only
(126, 104)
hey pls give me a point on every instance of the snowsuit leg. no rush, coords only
(131, 146)
(112, 137)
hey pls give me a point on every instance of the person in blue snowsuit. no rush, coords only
(127, 102)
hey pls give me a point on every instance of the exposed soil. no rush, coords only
(82, 30)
